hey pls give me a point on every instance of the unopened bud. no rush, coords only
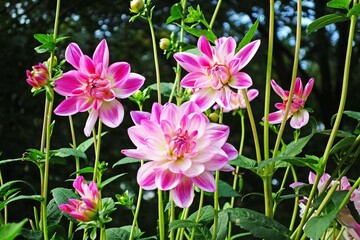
(54, 61)
(38, 77)
(138, 94)
(214, 117)
(136, 6)
(165, 44)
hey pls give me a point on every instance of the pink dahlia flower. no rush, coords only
(299, 115)
(237, 100)
(352, 230)
(216, 71)
(183, 148)
(94, 86)
(86, 209)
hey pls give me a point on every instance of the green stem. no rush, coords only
(96, 176)
(215, 14)
(293, 78)
(180, 232)
(178, 67)
(43, 133)
(236, 174)
(172, 217)
(137, 210)
(46, 171)
(268, 78)
(296, 201)
(156, 61)
(346, 74)
(102, 232)
(198, 215)
(216, 205)
(161, 216)
(5, 217)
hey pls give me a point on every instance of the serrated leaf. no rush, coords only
(182, 224)
(175, 13)
(223, 221)
(316, 226)
(258, 224)
(61, 195)
(339, 4)
(67, 152)
(352, 114)
(244, 162)
(53, 213)
(225, 190)
(109, 180)
(326, 20)
(43, 38)
(20, 197)
(355, 10)
(343, 144)
(165, 88)
(210, 36)
(126, 160)
(11, 230)
(248, 36)
(87, 143)
(117, 233)
(206, 215)
(84, 170)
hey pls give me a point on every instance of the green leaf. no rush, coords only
(4, 189)
(57, 232)
(126, 160)
(342, 145)
(223, 221)
(326, 20)
(43, 38)
(206, 215)
(21, 197)
(59, 39)
(182, 224)
(248, 36)
(294, 148)
(201, 32)
(244, 162)
(11, 231)
(355, 10)
(165, 88)
(84, 170)
(339, 4)
(109, 180)
(352, 114)
(258, 224)
(67, 152)
(316, 226)
(175, 13)
(87, 143)
(117, 233)
(201, 232)
(53, 213)
(61, 195)
(309, 161)
(31, 234)
(225, 190)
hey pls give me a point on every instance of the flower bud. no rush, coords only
(165, 44)
(54, 61)
(136, 6)
(214, 117)
(138, 94)
(38, 77)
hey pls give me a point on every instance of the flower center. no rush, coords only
(181, 144)
(219, 75)
(99, 88)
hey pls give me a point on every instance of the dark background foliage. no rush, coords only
(87, 22)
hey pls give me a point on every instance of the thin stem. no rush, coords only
(43, 133)
(215, 13)
(46, 171)
(296, 201)
(293, 77)
(156, 61)
(180, 232)
(161, 216)
(198, 215)
(172, 217)
(96, 176)
(253, 126)
(137, 210)
(236, 174)
(5, 207)
(268, 78)
(346, 74)
(216, 205)
(178, 67)
(102, 232)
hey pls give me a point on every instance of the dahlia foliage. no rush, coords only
(182, 143)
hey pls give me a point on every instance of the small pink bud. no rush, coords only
(38, 77)
(165, 44)
(136, 6)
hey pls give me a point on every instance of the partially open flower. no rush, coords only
(87, 208)
(38, 77)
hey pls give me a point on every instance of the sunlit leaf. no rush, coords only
(248, 36)
(326, 20)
